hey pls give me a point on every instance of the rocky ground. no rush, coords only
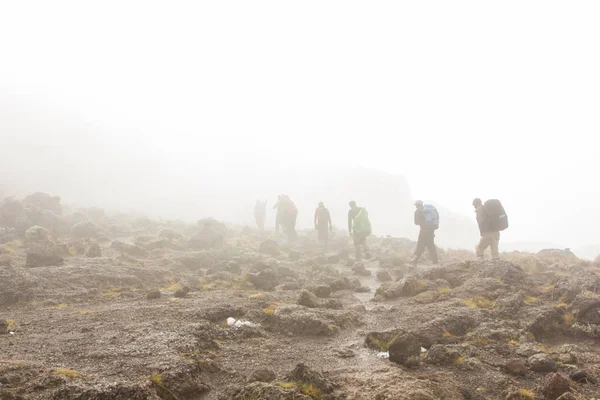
(120, 307)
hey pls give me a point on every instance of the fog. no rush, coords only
(195, 109)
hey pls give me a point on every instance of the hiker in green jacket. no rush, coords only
(359, 227)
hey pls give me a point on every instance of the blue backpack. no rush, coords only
(432, 218)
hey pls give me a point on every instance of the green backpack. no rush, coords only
(361, 224)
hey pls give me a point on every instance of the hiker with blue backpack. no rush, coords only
(428, 219)
(359, 227)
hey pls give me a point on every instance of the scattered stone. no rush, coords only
(181, 293)
(321, 291)
(344, 353)
(37, 234)
(269, 247)
(153, 294)
(340, 284)
(407, 287)
(359, 308)
(384, 276)
(359, 269)
(43, 257)
(404, 347)
(542, 363)
(94, 251)
(308, 299)
(554, 385)
(85, 230)
(333, 304)
(586, 308)
(3, 326)
(440, 354)
(572, 285)
(264, 280)
(362, 289)
(582, 376)
(516, 367)
(262, 375)
(129, 249)
(311, 377)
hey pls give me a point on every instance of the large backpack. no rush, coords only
(496, 215)
(432, 218)
(361, 224)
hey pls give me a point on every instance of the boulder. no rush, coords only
(516, 367)
(262, 375)
(3, 326)
(340, 284)
(303, 374)
(43, 257)
(404, 347)
(440, 354)
(407, 287)
(181, 293)
(586, 308)
(359, 269)
(37, 234)
(43, 201)
(321, 291)
(568, 287)
(85, 230)
(507, 272)
(542, 363)
(308, 299)
(264, 280)
(153, 294)
(582, 376)
(554, 385)
(384, 276)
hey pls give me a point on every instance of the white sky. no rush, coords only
(465, 98)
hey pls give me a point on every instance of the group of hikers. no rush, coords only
(490, 215)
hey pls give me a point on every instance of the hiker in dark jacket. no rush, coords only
(323, 224)
(360, 237)
(426, 236)
(490, 237)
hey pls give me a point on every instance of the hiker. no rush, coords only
(287, 214)
(359, 228)
(260, 214)
(323, 224)
(491, 219)
(428, 219)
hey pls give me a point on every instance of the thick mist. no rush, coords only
(200, 109)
